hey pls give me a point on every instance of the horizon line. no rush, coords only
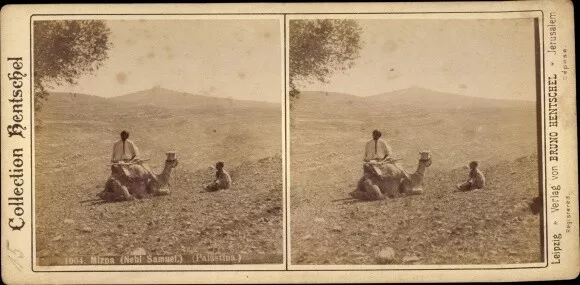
(172, 90)
(418, 87)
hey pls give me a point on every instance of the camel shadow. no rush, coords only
(349, 201)
(341, 199)
(90, 200)
(98, 201)
(467, 190)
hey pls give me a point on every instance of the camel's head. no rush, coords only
(171, 160)
(425, 158)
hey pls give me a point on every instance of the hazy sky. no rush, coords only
(491, 58)
(237, 58)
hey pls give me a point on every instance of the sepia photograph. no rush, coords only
(415, 141)
(158, 141)
(274, 143)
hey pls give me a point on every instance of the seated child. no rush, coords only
(476, 179)
(222, 179)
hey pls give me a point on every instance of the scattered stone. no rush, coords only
(150, 223)
(86, 229)
(337, 229)
(374, 234)
(158, 239)
(386, 255)
(68, 221)
(494, 252)
(57, 238)
(319, 220)
(512, 252)
(306, 237)
(125, 235)
(411, 258)
(138, 251)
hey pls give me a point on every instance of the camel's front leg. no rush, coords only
(121, 190)
(372, 190)
(390, 187)
(418, 190)
(162, 191)
(108, 193)
(155, 189)
(139, 189)
(360, 185)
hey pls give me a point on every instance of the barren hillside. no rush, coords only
(72, 150)
(440, 227)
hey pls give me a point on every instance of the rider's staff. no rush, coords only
(129, 162)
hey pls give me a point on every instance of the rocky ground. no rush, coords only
(73, 140)
(490, 226)
(246, 219)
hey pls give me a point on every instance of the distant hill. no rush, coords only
(325, 97)
(76, 98)
(61, 105)
(426, 98)
(320, 103)
(77, 106)
(166, 98)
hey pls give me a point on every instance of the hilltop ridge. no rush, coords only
(163, 97)
(322, 103)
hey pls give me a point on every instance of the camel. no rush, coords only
(141, 181)
(393, 179)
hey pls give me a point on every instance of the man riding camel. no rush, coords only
(124, 150)
(376, 150)
(125, 153)
(377, 153)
